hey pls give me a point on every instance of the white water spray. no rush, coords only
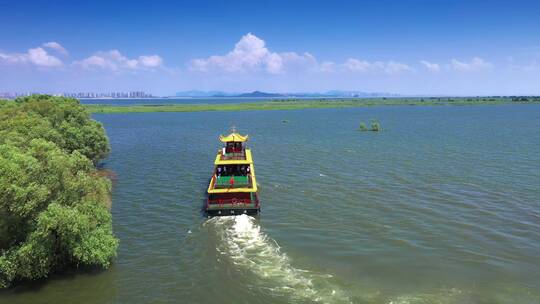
(242, 241)
(248, 248)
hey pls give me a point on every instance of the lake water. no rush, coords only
(174, 100)
(194, 100)
(443, 206)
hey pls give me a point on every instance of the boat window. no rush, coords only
(236, 170)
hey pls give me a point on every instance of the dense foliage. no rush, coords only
(53, 203)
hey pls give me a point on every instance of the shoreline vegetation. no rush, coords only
(297, 104)
(54, 202)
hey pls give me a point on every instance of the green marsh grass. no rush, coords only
(297, 104)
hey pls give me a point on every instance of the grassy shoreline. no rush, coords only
(296, 104)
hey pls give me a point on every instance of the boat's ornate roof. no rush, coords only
(233, 137)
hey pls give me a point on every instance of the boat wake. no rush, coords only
(250, 249)
(241, 240)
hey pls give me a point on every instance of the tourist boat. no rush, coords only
(233, 186)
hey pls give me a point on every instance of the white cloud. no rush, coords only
(474, 65)
(433, 67)
(95, 61)
(114, 60)
(392, 67)
(327, 66)
(250, 54)
(354, 64)
(36, 56)
(40, 57)
(13, 58)
(388, 67)
(55, 46)
(274, 63)
(151, 61)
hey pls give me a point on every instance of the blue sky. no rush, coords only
(407, 47)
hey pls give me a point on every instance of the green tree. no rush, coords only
(66, 116)
(375, 125)
(363, 127)
(53, 203)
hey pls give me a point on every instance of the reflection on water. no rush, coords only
(441, 207)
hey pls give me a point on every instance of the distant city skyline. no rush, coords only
(415, 47)
(133, 94)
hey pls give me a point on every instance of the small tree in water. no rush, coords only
(363, 126)
(375, 125)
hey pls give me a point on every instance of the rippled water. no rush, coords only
(195, 100)
(441, 207)
(188, 100)
(175, 100)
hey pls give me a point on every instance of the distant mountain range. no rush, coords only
(254, 94)
(195, 93)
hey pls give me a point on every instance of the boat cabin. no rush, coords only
(233, 168)
(233, 187)
(234, 146)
